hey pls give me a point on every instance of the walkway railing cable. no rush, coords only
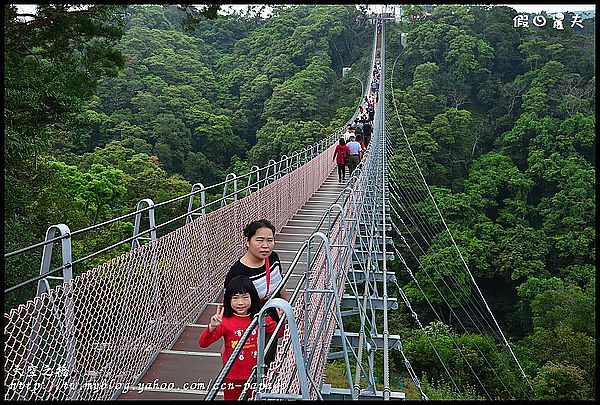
(449, 273)
(285, 163)
(457, 282)
(383, 140)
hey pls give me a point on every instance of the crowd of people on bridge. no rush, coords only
(353, 143)
(376, 79)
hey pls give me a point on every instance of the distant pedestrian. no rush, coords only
(375, 86)
(367, 130)
(349, 132)
(358, 126)
(358, 139)
(371, 113)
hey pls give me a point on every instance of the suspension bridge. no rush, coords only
(129, 328)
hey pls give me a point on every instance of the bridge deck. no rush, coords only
(186, 370)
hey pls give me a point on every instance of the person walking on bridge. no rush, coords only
(340, 154)
(367, 130)
(358, 139)
(371, 113)
(354, 158)
(261, 264)
(349, 131)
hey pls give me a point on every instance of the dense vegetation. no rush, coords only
(109, 105)
(501, 120)
(112, 104)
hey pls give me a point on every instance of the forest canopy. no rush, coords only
(501, 121)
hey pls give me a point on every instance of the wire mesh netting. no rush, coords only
(94, 335)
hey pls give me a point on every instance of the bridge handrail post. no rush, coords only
(47, 255)
(138, 218)
(295, 160)
(230, 177)
(336, 298)
(271, 178)
(189, 218)
(343, 226)
(283, 166)
(349, 194)
(253, 186)
(68, 328)
(293, 328)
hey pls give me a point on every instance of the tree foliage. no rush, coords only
(500, 121)
(108, 104)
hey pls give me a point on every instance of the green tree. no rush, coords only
(470, 59)
(561, 382)
(172, 140)
(498, 188)
(453, 131)
(98, 188)
(277, 138)
(523, 252)
(52, 62)
(215, 138)
(414, 12)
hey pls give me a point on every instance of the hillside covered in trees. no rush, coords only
(502, 123)
(148, 100)
(112, 104)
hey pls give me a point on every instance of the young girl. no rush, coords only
(240, 304)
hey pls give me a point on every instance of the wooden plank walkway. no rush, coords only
(187, 370)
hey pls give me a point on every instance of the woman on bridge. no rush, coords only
(261, 264)
(340, 154)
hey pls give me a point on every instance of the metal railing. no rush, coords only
(255, 179)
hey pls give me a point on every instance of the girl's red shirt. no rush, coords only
(232, 329)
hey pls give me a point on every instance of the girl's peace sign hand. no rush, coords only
(217, 318)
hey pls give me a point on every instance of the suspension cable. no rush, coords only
(452, 239)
